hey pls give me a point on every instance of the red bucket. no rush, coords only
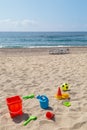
(14, 106)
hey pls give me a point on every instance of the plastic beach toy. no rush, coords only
(65, 86)
(29, 96)
(29, 119)
(49, 115)
(14, 106)
(67, 104)
(44, 102)
(65, 96)
(59, 94)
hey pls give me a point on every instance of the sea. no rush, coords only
(42, 39)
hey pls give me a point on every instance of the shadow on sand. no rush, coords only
(21, 118)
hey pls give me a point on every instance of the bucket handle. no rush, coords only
(43, 96)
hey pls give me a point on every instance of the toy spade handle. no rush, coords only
(29, 96)
(26, 122)
(25, 97)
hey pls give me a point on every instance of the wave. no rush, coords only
(42, 39)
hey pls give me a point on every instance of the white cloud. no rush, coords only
(32, 25)
(27, 22)
(16, 25)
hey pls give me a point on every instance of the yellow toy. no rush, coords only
(65, 96)
(65, 87)
(60, 96)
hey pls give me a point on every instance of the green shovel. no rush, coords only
(29, 119)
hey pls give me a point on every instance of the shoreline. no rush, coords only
(42, 50)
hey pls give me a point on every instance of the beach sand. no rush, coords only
(27, 71)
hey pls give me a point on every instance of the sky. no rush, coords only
(43, 15)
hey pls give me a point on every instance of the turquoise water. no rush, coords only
(42, 39)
